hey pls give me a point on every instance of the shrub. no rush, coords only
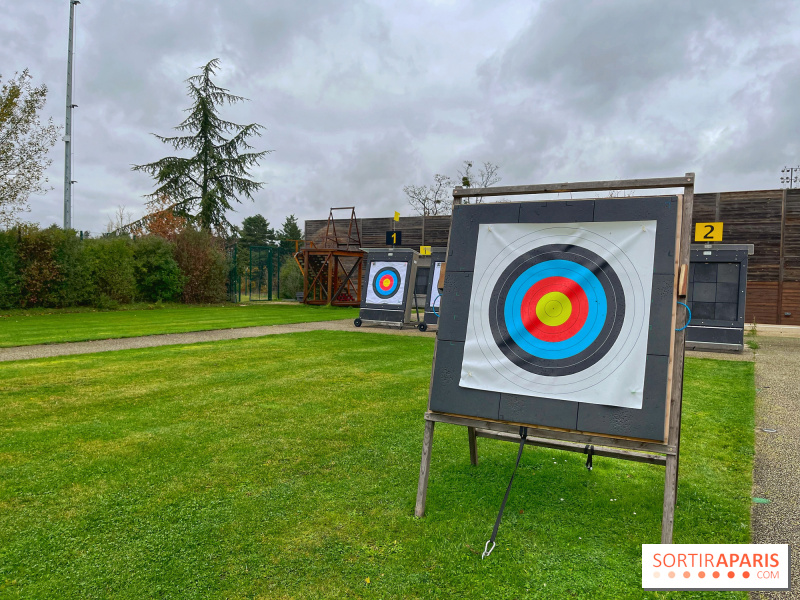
(74, 286)
(112, 270)
(158, 277)
(203, 265)
(9, 275)
(38, 270)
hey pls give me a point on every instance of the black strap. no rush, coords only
(523, 434)
(589, 449)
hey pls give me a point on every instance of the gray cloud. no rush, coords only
(361, 98)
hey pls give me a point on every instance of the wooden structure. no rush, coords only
(770, 220)
(333, 269)
(417, 231)
(654, 451)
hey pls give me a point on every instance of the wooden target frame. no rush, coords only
(652, 449)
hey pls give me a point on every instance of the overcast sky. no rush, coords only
(361, 98)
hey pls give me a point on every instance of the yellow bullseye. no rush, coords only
(553, 309)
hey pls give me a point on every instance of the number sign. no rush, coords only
(708, 232)
(394, 238)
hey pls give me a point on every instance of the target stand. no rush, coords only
(562, 317)
(389, 282)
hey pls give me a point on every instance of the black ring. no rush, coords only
(605, 340)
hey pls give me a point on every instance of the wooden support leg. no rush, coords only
(473, 446)
(670, 498)
(424, 469)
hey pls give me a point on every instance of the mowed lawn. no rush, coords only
(23, 328)
(286, 467)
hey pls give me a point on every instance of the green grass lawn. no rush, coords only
(286, 467)
(23, 328)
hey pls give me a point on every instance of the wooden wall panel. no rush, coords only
(703, 209)
(373, 231)
(791, 303)
(761, 302)
(752, 217)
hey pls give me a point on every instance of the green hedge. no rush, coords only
(53, 268)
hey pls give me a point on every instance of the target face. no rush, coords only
(387, 283)
(561, 311)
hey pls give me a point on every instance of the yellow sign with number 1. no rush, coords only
(425, 250)
(708, 232)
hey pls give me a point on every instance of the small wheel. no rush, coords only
(357, 322)
(423, 326)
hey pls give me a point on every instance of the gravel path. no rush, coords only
(150, 341)
(776, 472)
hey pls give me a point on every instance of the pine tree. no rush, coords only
(255, 231)
(203, 186)
(290, 231)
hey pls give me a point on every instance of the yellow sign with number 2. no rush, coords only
(708, 232)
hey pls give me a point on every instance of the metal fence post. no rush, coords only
(269, 274)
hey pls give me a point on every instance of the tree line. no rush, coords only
(191, 191)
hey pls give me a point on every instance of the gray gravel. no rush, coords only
(150, 341)
(776, 473)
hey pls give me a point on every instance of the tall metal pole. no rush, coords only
(68, 127)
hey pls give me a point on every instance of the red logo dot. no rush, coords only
(671, 574)
(746, 574)
(686, 574)
(731, 574)
(716, 574)
(701, 574)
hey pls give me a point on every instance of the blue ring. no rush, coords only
(598, 308)
(378, 276)
(689, 320)
(433, 305)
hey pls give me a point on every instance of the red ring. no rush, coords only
(391, 281)
(576, 320)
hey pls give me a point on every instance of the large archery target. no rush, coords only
(387, 282)
(561, 311)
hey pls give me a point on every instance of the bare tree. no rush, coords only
(122, 220)
(431, 200)
(487, 176)
(24, 144)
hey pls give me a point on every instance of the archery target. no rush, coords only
(387, 283)
(434, 291)
(561, 311)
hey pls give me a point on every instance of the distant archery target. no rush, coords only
(386, 283)
(556, 310)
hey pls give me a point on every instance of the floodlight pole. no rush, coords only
(68, 126)
(791, 178)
